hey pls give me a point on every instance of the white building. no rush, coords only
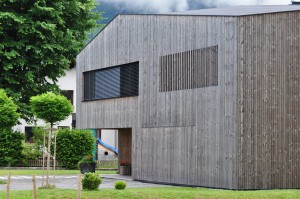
(66, 84)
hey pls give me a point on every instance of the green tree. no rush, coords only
(39, 40)
(8, 112)
(51, 107)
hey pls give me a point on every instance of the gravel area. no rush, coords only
(70, 182)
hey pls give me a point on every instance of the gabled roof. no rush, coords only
(233, 11)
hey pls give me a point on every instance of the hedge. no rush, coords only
(73, 145)
(10, 147)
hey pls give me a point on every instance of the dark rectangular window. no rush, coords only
(28, 133)
(188, 70)
(68, 94)
(113, 82)
(74, 120)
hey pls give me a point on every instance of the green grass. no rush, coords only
(172, 192)
(40, 172)
(2, 182)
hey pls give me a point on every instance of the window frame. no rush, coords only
(108, 68)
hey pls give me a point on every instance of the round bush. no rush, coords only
(8, 112)
(91, 181)
(120, 184)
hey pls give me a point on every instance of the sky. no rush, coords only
(163, 6)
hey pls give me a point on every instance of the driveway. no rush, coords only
(70, 182)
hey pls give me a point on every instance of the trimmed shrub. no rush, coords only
(120, 184)
(91, 181)
(10, 147)
(8, 112)
(72, 145)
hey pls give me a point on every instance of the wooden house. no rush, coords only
(202, 98)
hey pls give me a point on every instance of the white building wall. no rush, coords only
(68, 82)
(109, 137)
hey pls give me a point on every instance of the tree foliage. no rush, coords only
(51, 107)
(8, 112)
(39, 40)
(30, 152)
(38, 135)
(73, 145)
(10, 147)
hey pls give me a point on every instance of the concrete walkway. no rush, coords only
(70, 182)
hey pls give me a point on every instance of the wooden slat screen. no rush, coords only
(189, 70)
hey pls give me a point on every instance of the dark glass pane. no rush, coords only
(119, 81)
(130, 80)
(89, 85)
(73, 120)
(68, 94)
(28, 133)
(107, 83)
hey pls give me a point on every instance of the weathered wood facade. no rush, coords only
(238, 129)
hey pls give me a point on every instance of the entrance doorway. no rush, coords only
(115, 145)
(125, 151)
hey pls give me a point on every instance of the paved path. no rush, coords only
(70, 182)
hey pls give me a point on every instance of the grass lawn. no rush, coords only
(172, 192)
(40, 172)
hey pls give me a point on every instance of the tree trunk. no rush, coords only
(49, 154)
(54, 156)
(44, 155)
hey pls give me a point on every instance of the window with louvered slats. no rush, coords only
(113, 82)
(189, 70)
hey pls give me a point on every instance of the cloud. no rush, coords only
(253, 2)
(163, 6)
(150, 5)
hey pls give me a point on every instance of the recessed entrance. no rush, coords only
(125, 154)
(115, 145)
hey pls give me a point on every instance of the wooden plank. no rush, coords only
(269, 56)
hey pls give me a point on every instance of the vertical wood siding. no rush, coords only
(193, 129)
(198, 69)
(169, 155)
(268, 149)
(241, 134)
